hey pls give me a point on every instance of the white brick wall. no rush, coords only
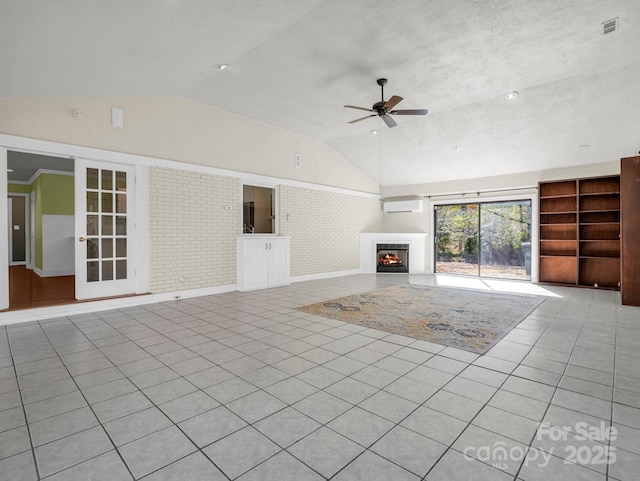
(325, 227)
(193, 237)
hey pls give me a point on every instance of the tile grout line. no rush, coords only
(24, 411)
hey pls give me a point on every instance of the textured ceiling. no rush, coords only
(295, 63)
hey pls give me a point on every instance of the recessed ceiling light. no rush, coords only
(374, 131)
(222, 66)
(584, 146)
(511, 95)
(457, 148)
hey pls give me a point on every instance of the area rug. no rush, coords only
(466, 319)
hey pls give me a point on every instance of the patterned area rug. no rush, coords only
(466, 319)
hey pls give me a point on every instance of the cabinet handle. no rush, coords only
(269, 245)
(266, 246)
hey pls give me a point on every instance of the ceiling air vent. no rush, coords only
(610, 26)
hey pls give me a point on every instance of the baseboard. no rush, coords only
(42, 313)
(325, 275)
(58, 273)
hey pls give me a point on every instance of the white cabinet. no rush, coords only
(262, 262)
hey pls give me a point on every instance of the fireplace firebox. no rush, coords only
(392, 258)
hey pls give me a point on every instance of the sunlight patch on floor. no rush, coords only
(498, 285)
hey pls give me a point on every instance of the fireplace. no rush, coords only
(392, 257)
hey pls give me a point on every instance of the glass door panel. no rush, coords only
(457, 239)
(505, 239)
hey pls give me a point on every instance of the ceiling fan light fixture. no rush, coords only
(222, 66)
(511, 95)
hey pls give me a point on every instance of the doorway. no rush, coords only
(17, 213)
(94, 265)
(41, 264)
(486, 239)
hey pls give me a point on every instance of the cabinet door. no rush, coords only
(255, 267)
(278, 262)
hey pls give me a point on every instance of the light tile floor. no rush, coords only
(243, 386)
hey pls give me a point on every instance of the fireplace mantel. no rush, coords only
(368, 252)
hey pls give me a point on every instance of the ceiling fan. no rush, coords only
(383, 108)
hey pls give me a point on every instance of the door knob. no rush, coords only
(82, 239)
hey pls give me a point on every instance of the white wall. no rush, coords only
(527, 179)
(183, 130)
(58, 256)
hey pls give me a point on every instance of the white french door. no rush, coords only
(104, 229)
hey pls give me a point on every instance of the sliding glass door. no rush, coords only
(491, 239)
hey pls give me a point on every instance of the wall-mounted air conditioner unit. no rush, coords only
(393, 206)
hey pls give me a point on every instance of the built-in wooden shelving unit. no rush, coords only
(580, 232)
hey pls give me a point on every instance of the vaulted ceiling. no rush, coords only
(295, 63)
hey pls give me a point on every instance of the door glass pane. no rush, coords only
(121, 203)
(506, 239)
(121, 247)
(92, 178)
(457, 236)
(121, 269)
(107, 202)
(121, 225)
(92, 225)
(107, 248)
(107, 180)
(92, 249)
(107, 270)
(92, 202)
(93, 272)
(107, 225)
(121, 181)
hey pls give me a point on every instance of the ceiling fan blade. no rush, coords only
(392, 102)
(359, 108)
(389, 121)
(409, 112)
(362, 118)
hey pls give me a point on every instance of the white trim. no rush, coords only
(4, 233)
(142, 230)
(46, 147)
(32, 230)
(39, 172)
(19, 182)
(325, 275)
(9, 236)
(42, 273)
(41, 313)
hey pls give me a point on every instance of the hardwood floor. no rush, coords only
(28, 290)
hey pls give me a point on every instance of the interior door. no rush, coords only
(105, 229)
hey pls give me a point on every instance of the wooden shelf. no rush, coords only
(599, 217)
(559, 270)
(580, 231)
(603, 271)
(558, 218)
(600, 185)
(560, 205)
(560, 188)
